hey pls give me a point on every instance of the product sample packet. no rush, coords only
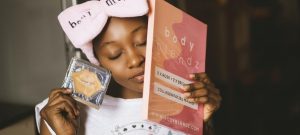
(88, 82)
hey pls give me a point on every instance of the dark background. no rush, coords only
(253, 57)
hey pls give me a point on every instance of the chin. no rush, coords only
(139, 88)
(134, 86)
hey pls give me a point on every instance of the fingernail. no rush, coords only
(192, 76)
(69, 90)
(203, 100)
(185, 87)
(191, 99)
(186, 94)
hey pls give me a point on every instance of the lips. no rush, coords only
(139, 77)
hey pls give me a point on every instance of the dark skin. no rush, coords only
(121, 49)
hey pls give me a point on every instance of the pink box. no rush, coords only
(176, 46)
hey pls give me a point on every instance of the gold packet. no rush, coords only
(88, 82)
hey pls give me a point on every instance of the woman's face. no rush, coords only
(121, 49)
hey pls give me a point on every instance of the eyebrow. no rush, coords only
(133, 31)
(106, 43)
(138, 28)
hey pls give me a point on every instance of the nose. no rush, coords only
(136, 58)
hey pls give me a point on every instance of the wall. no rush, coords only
(31, 50)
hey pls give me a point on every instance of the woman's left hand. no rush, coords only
(203, 91)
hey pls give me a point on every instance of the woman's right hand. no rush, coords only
(61, 112)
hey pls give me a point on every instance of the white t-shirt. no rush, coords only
(116, 116)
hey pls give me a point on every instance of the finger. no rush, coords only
(214, 100)
(207, 81)
(59, 90)
(59, 93)
(199, 89)
(196, 93)
(68, 99)
(71, 102)
(65, 109)
(198, 100)
(198, 76)
(203, 77)
(205, 97)
(193, 86)
(61, 108)
(43, 113)
(213, 89)
(212, 105)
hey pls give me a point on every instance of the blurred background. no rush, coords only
(253, 57)
(252, 52)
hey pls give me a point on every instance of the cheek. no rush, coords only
(119, 75)
(144, 51)
(116, 67)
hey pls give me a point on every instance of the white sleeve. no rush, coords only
(38, 108)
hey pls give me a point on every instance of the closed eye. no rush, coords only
(113, 57)
(142, 44)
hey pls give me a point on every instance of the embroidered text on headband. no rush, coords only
(83, 22)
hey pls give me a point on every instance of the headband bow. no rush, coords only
(83, 22)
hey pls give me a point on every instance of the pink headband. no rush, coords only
(83, 22)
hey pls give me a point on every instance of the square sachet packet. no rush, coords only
(88, 82)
